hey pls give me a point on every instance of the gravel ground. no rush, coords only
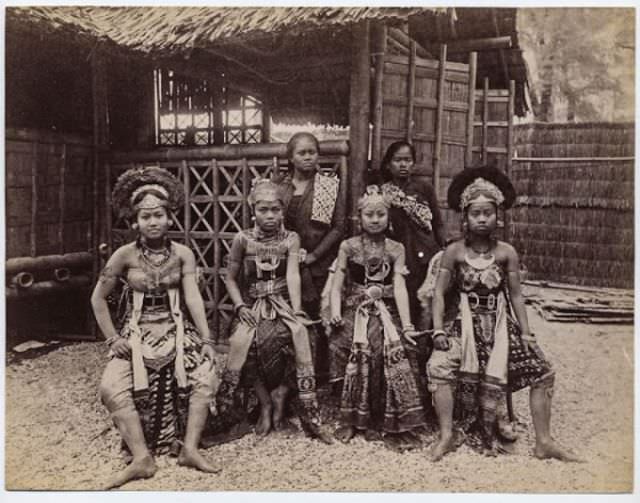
(59, 437)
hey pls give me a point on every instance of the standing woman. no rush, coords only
(373, 331)
(316, 211)
(159, 381)
(414, 218)
(269, 343)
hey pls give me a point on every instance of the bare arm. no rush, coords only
(437, 224)
(336, 285)
(192, 297)
(443, 280)
(107, 281)
(400, 289)
(236, 255)
(293, 272)
(515, 290)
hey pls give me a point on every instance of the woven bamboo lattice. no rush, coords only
(216, 208)
(573, 221)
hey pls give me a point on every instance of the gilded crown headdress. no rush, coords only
(263, 188)
(482, 183)
(146, 188)
(373, 196)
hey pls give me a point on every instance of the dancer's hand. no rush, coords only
(336, 320)
(121, 348)
(247, 316)
(441, 342)
(530, 345)
(409, 335)
(207, 351)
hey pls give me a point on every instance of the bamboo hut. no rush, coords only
(195, 89)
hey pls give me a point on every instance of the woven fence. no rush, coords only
(573, 220)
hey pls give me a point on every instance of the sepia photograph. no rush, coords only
(363, 249)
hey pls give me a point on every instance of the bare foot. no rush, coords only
(507, 431)
(138, 469)
(278, 397)
(193, 459)
(345, 434)
(410, 440)
(444, 446)
(372, 435)
(552, 450)
(264, 422)
(394, 442)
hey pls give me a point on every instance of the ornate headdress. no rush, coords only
(146, 188)
(374, 196)
(484, 183)
(263, 188)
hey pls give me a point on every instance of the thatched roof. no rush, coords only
(181, 29)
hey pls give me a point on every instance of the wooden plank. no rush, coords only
(411, 89)
(34, 200)
(504, 124)
(61, 199)
(471, 103)
(439, 115)
(490, 150)
(485, 120)
(42, 136)
(378, 98)
(405, 41)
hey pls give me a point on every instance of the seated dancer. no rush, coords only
(380, 389)
(480, 349)
(269, 343)
(160, 364)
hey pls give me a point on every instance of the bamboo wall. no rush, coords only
(573, 221)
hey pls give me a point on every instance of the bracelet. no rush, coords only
(437, 333)
(409, 327)
(109, 341)
(208, 342)
(300, 312)
(237, 308)
(531, 337)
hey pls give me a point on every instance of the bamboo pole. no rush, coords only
(246, 188)
(411, 91)
(358, 116)
(228, 151)
(48, 287)
(380, 35)
(217, 249)
(509, 163)
(405, 41)
(47, 262)
(439, 115)
(479, 44)
(573, 159)
(485, 119)
(108, 214)
(186, 183)
(473, 66)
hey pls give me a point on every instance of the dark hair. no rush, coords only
(294, 139)
(385, 172)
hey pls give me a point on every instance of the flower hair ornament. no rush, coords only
(485, 183)
(374, 196)
(146, 188)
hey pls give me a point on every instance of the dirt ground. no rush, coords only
(58, 435)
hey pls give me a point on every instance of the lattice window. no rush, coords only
(192, 112)
(242, 119)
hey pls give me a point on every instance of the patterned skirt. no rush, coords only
(478, 402)
(373, 404)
